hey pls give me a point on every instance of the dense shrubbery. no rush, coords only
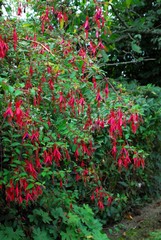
(70, 136)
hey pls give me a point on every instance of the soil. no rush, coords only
(139, 225)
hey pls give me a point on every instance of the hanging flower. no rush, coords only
(15, 38)
(86, 26)
(8, 112)
(3, 48)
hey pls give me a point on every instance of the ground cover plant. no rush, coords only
(68, 130)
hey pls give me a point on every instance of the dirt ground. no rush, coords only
(138, 226)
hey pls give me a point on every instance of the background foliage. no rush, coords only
(76, 129)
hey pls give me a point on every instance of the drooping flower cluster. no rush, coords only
(21, 191)
(3, 48)
(101, 197)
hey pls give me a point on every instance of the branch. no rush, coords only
(118, 16)
(42, 45)
(117, 39)
(121, 20)
(124, 63)
(130, 30)
(147, 32)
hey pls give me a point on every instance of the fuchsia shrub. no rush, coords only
(59, 100)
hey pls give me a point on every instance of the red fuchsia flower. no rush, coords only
(39, 98)
(82, 53)
(106, 91)
(10, 190)
(35, 136)
(134, 120)
(43, 79)
(88, 124)
(77, 177)
(91, 149)
(82, 164)
(25, 136)
(19, 10)
(17, 190)
(109, 201)
(85, 172)
(138, 161)
(67, 50)
(34, 41)
(62, 102)
(100, 205)
(99, 123)
(72, 61)
(18, 113)
(98, 97)
(82, 103)
(76, 154)
(28, 197)
(100, 45)
(36, 191)
(49, 69)
(67, 154)
(31, 71)
(47, 158)
(86, 26)
(71, 102)
(15, 39)
(112, 122)
(38, 163)
(94, 83)
(85, 149)
(120, 122)
(8, 112)
(92, 48)
(51, 84)
(28, 84)
(51, 27)
(98, 16)
(31, 169)
(49, 122)
(115, 121)
(124, 159)
(92, 197)
(3, 48)
(120, 163)
(62, 18)
(23, 184)
(44, 18)
(61, 183)
(56, 155)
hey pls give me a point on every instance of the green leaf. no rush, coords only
(135, 47)
(7, 233)
(128, 3)
(40, 234)
(18, 93)
(31, 185)
(105, 56)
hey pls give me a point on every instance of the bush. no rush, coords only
(65, 124)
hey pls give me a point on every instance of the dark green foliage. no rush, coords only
(55, 216)
(136, 41)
